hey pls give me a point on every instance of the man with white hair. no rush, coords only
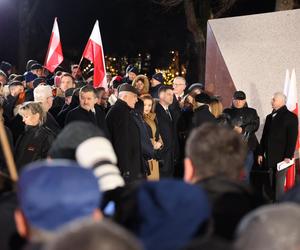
(278, 142)
(43, 94)
(125, 136)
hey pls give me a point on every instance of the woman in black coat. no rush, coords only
(35, 142)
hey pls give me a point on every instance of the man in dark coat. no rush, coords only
(87, 111)
(278, 142)
(202, 114)
(215, 157)
(125, 135)
(246, 122)
(167, 129)
(156, 82)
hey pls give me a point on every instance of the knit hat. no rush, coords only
(54, 193)
(159, 77)
(29, 76)
(38, 81)
(168, 220)
(98, 154)
(70, 137)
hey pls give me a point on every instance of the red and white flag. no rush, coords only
(94, 52)
(54, 55)
(290, 90)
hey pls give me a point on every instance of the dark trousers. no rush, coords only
(278, 183)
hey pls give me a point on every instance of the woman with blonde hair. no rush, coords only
(151, 121)
(34, 143)
(216, 107)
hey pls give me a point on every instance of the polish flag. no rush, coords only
(54, 55)
(94, 52)
(290, 90)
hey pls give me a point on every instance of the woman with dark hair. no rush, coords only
(141, 83)
(34, 143)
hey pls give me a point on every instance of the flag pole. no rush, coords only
(7, 153)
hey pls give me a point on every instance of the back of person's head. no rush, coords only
(89, 235)
(213, 150)
(52, 194)
(216, 106)
(65, 144)
(273, 227)
(156, 215)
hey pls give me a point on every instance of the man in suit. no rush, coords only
(167, 129)
(278, 142)
(87, 111)
(125, 135)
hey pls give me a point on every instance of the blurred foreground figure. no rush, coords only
(89, 235)
(52, 194)
(270, 227)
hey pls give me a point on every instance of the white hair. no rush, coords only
(41, 93)
(281, 96)
(180, 78)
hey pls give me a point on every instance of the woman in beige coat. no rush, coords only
(150, 119)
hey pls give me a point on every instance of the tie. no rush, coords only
(169, 114)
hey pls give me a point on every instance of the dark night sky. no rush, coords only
(127, 26)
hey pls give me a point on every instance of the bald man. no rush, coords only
(278, 142)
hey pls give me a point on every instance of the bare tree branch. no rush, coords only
(168, 3)
(223, 6)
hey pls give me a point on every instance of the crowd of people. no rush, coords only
(143, 164)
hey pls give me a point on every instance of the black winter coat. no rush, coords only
(33, 144)
(202, 115)
(153, 91)
(97, 118)
(248, 120)
(279, 137)
(126, 140)
(167, 129)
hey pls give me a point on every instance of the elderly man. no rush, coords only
(43, 94)
(278, 142)
(179, 85)
(125, 134)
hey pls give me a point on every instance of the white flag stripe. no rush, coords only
(286, 82)
(292, 99)
(95, 36)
